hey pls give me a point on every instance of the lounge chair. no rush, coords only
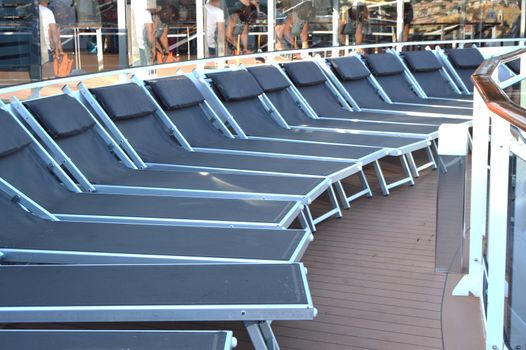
(101, 168)
(301, 106)
(360, 88)
(461, 63)
(200, 127)
(432, 77)
(29, 238)
(25, 165)
(251, 293)
(26, 339)
(145, 131)
(240, 94)
(389, 71)
(324, 101)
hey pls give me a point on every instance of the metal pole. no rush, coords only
(200, 28)
(399, 22)
(523, 19)
(271, 24)
(335, 22)
(121, 31)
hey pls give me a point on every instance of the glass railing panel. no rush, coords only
(516, 271)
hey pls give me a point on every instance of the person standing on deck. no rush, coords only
(215, 28)
(50, 45)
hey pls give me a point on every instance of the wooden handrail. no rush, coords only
(496, 100)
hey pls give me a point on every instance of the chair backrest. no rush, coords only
(426, 68)
(389, 72)
(137, 121)
(354, 76)
(74, 130)
(183, 104)
(313, 86)
(465, 61)
(276, 87)
(239, 92)
(22, 167)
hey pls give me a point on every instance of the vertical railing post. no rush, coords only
(497, 232)
(200, 27)
(472, 282)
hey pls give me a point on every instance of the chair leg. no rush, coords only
(341, 193)
(412, 164)
(337, 212)
(261, 335)
(365, 184)
(305, 219)
(407, 171)
(381, 178)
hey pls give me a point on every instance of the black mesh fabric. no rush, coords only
(384, 64)
(256, 122)
(61, 115)
(126, 285)
(269, 78)
(22, 230)
(176, 92)
(295, 116)
(124, 101)
(304, 73)
(434, 85)
(112, 340)
(421, 61)
(465, 58)
(349, 68)
(195, 126)
(236, 85)
(323, 101)
(12, 138)
(25, 171)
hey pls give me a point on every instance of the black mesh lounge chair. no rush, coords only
(146, 129)
(431, 75)
(353, 80)
(254, 294)
(295, 106)
(356, 83)
(23, 339)
(158, 142)
(197, 125)
(389, 73)
(26, 237)
(318, 94)
(240, 94)
(461, 64)
(25, 165)
(92, 161)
